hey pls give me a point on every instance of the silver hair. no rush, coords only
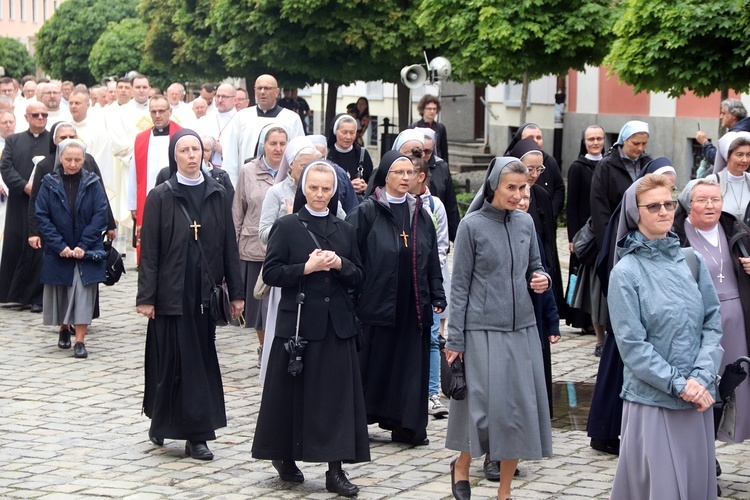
(734, 108)
(740, 141)
(514, 167)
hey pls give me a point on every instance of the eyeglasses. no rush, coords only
(243, 98)
(427, 151)
(265, 89)
(655, 208)
(39, 115)
(50, 92)
(537, 170)
(430, 108)
(706, 201)
(403, 173)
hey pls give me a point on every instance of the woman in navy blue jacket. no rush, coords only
(71, 212)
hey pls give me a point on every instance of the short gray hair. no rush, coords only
(734, 108)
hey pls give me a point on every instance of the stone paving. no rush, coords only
(74, 429)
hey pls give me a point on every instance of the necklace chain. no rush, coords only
(734, 195)
(720, 263)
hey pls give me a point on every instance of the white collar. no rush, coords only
(343, 150)
(394, 200)
(317, 214)
(181, 179)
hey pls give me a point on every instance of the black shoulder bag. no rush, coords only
(220, 307)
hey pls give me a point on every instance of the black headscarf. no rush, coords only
(517, 137)
(53, 131)
(299, 197)
(378, 177)
(582, 150)
(525, 146)
(173, 147)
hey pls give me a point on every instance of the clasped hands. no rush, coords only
(76, 253)
(322, 260)
(695, 393)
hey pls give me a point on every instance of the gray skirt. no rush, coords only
(665, 454)
(69, 305)
(255, 310)
(505, 412)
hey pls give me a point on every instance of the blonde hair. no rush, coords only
(653, 181)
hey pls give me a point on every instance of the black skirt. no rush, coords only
(319, 415)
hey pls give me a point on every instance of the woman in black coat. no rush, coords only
(397, 300)
(317, 415)
(183, 393)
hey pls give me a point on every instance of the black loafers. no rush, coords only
(198, 450)
(288, 471)
(156, 440)
(611, 446)
(462, 489)
(35, 308)
(338, 483)
(491, 469)
(63, 341)
(79, 351)
(400, 435)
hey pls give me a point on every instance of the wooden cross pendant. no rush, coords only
(404, 236)
(195, 227)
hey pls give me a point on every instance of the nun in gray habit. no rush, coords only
(665, 317)
(493, 328)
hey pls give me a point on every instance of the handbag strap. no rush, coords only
(200, 247)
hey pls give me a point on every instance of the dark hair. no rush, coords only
(352, 108)
(428, 99)
(416, 157)
(6, 79)
(209, 87)
(366, 112)
(740, 141)
(124, 79)
(28, 78)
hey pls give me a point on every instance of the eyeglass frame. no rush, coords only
(655, 208)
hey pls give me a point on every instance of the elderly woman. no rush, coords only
(493, 329)
(665, 316)
(319, 414)
(346, 194)
(71, 215)
(724, 242)
(407, 140)
(732, 161)
(183, 394)
(219, 175)
(403, 286)
(255, 179)
(542, 212)
(350, 156)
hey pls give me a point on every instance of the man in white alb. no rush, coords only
(216, 124)
(241, 137)
(182, 113)
(92, 132)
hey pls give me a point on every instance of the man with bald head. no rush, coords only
(200, 107)
(240, 139)
(216, 124)
(16, 166)
(182, 113)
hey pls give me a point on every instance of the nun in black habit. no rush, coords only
(183, 393)
(551, 179)
(317, 415)
(541, 210)
(395, 234)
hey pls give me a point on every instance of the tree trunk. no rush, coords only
(333, 90)
(404, 106)
(524, 97)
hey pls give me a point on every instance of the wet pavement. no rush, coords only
(73, 428)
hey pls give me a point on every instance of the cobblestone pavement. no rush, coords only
(73, 428)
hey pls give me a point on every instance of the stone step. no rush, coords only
(458, 168)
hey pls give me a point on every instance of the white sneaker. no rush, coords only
(260, 355)
(436, 408)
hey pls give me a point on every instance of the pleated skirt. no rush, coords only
(506, 412)
(665, 454)
(69, 305)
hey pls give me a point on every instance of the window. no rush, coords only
(23, 10)
(44, 10)
(372, 131)
(12, 10)
(35, 11)
(374, 90)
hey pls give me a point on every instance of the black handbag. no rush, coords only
(584, 243)
(457, 387)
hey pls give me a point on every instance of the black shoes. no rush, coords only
(400, 435)
(611, 446)
(156, 440)
(461, 489)
(338, 483)
(35, 308)
(64, 340)
(491, 469)
(79, 351)
(288, 471)
(598, 350)
(197, 450)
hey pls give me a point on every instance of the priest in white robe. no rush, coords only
(182, 113)
(216, 124)
(91, 131)
(239, 141)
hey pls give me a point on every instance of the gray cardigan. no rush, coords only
(495, 255)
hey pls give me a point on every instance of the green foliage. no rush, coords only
(66, 39)
(120, 50)
(299, 41)
(464, 200)
(492, 41)
(15, 58)
(678, 45)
